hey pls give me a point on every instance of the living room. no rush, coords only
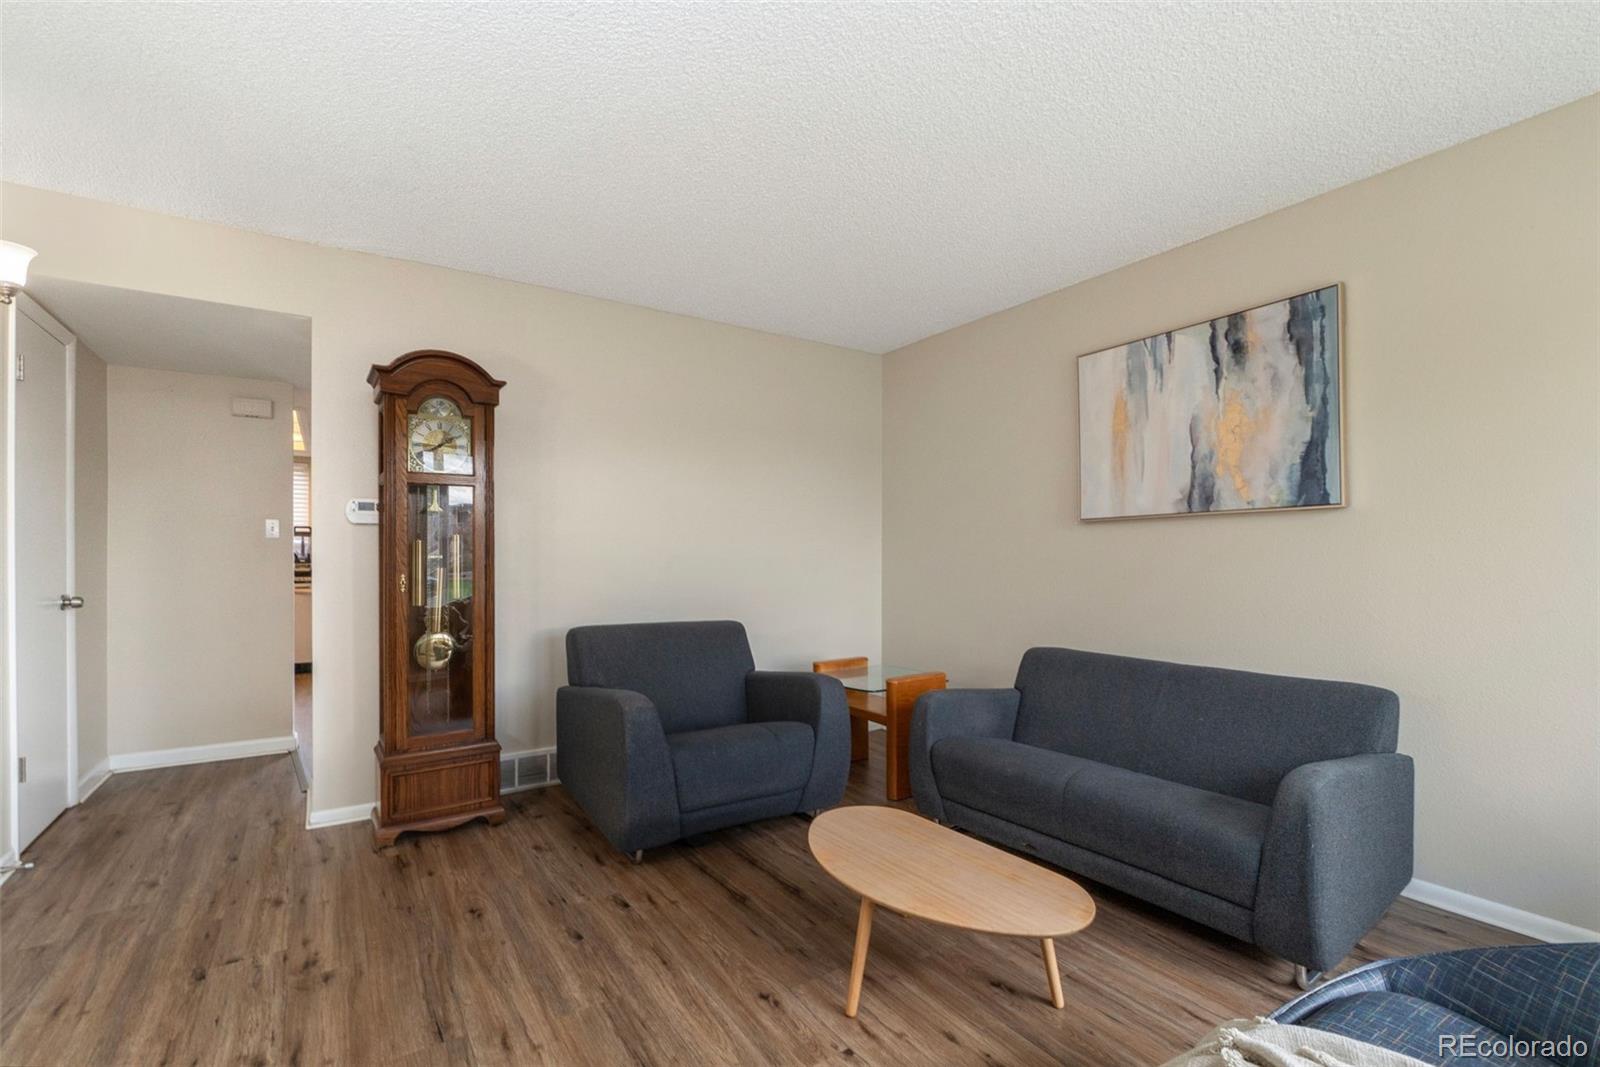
(901, 533)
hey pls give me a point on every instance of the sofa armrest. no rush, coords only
(611, 755)
(944, 713)
(818, 701)
(1337, 853)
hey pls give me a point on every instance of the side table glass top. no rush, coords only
(872, 679)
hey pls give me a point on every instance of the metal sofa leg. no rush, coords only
(1305, 979)
(638, 855)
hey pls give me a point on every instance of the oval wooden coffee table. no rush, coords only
(916, 867)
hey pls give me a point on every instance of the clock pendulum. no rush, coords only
(435, 647)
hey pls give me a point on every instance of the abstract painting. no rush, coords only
(1237, 414)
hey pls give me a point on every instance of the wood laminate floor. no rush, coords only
(185, 916)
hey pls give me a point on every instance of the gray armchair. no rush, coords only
(668, 730)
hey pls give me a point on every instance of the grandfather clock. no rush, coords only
(438, 760)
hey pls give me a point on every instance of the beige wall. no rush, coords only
(1463, 574)
(90, 503)
(650, 466)
(201, 618)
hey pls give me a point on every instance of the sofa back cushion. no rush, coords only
(692, 671)
(1225, 731)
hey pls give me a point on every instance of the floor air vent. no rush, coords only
(527, 770)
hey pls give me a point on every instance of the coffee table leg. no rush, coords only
(1052, 972)
(858, 965)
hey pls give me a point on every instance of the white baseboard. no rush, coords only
(1502, 915)
(8, 866)
(317, 820)
(94, 779)
(178, 757)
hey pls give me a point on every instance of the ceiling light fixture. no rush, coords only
(14, 260)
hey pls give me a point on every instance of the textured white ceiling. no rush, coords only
(137, 329)
(865, 174)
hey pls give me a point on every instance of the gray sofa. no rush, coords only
(667, 730)
(1273, 809)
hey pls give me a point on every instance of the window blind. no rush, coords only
(302, 492)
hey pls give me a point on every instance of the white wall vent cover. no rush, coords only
(252, 407)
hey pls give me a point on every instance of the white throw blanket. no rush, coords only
(1260, 1043)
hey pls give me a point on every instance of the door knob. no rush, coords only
(70, 602)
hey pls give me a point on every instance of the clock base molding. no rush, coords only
(520, 771)
(179, 757)
(436, 789)
(385, 834)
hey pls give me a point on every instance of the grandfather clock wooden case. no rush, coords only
(438, 760)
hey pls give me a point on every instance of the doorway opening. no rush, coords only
(300, 505)
(157, 540)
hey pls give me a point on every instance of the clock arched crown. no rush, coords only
(432, 364)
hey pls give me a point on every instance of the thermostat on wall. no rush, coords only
(362, 512)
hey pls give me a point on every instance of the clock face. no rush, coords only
(439, 438)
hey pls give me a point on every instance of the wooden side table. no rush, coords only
(886, 695)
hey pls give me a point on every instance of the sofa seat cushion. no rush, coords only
(1412, 1026)
(1018, 783)
(728, 764)
(1206, 841)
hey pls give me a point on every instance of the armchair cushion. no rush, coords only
(818, 701)
(1206, 841)
(1015, 782)
(746, 761)
(692, 671)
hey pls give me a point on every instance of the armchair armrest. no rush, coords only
(1337, 853)
(818, 701)
(611, 755)
(944, 713)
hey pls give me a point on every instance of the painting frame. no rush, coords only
(1340, 361)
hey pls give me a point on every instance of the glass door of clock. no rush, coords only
(440, 610)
